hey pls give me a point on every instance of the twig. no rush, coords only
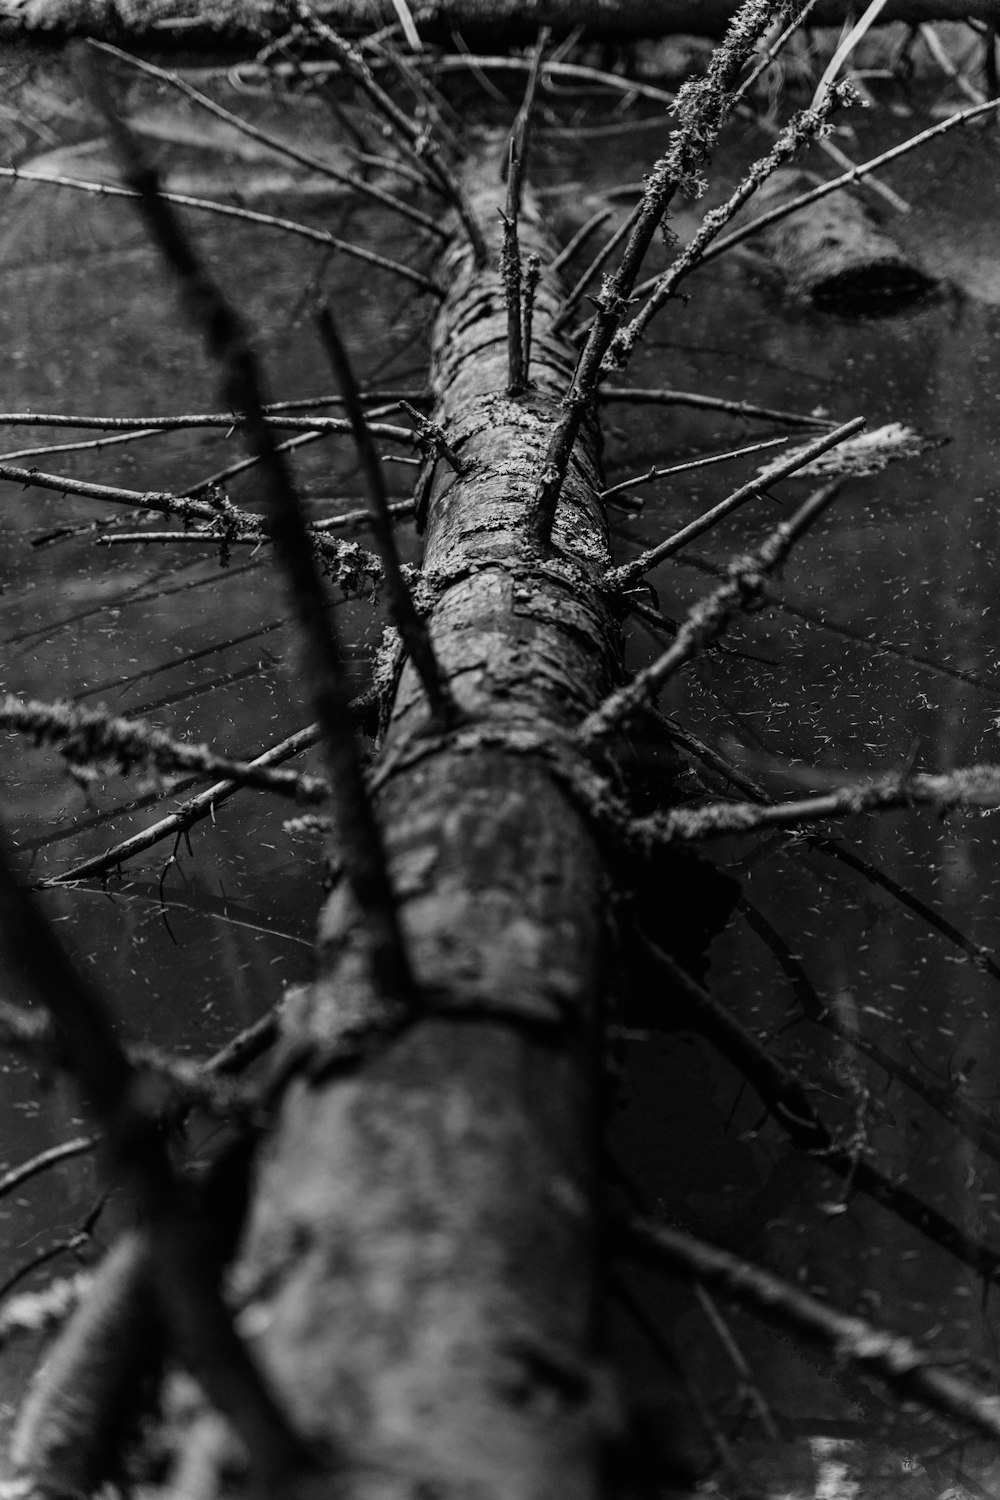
(471, 61)
(803, 127)
(693, 463)
(783, 210)
(629, 573)
(702, 106)
(177, 824)
(65, 1151)
(570, 302)
(230, 211)
(640, 396)
(90, 444)
(275, 143)
(875, 644)
(902, 1365)
(273, 417)
(93, 741)
(845, 47)
(348, 563)
(579, 239)
(776, 47)
(706, 620)
(748, 1386)
(970, 786)
(184, 1274)
(520, 136)
(412, 628)
(431, 439)
(425, 150)
(360, 837)
(787, 1101)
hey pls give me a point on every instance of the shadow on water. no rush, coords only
(902, 572)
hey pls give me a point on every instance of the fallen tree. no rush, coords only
(420, 1276)
(508, 19)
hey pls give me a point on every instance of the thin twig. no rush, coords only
(93, 741)
(65, 1151)
(412, 628)
(571, 301)
(273, 417)
(702, 106)
(692, 463)
(579, 239)
(520, 136)
(230, 211)
(783, 210)
(802, 128)
(641, 396)
(969, 787)
(629, 573)
(776, 47)
(706, 620)
(348, 563)
(787, 1100)
(425, 150)
(902, 1365)
(275, 143)
(178, 823)
(185, 1277)
(360, 838)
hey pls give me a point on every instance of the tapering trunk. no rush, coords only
(422, 1255)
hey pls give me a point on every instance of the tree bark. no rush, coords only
(422, 1253)
(513, 19)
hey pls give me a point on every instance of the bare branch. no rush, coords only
(703, 105)
(184, 1275)
(93, 742)
(276, 143)
(425, 150)
(15, 1177)
(855, 174)
(227, 341)
(247, 215)
(639, 396)
(629, 573)
(968, 787)
(412, 628)
(897, 1361)
(692, 463)
(706, 620)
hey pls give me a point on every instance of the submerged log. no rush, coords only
(833, 254)
(421, 1258)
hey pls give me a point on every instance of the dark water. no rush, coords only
(192, 948)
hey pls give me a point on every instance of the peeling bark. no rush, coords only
(421, 1259)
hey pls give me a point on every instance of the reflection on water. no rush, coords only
(902, 668)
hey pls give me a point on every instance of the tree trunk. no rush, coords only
(421, 1256)
(514, 19)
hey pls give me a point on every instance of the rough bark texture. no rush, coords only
(513, 18)
(421, 1258)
